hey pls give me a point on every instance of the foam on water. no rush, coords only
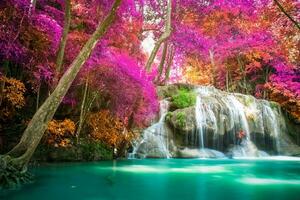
(279, 158)
(188, 169)
(269, 181)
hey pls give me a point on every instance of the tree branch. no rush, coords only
(61, 51)
(162, 38)
(286, 14)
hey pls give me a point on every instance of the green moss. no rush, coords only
(184, 98)
(169, 116)
(273, 105)
(248, 101)
(181, 119)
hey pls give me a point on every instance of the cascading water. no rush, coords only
(154, 142)
(274, 122)
(222, 113)
(209, 105)
(246, 148)
(203, 113)
(213, 127)
(200, 121)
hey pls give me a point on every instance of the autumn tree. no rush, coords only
(18, 158)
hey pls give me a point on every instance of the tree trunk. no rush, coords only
(227, 80)
(82, 110)
(38, 98)
(213, 65)
(242, 68)
(162, 38)
(162, 62)
(31, 137)
(266, 74)
(170, 62)
(32, 6)
(286, 14)
(61, 51)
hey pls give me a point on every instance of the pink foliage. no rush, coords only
(131, 93)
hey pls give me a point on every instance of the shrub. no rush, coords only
(11, 96)
(184, 98)
(109, 129)
(95, 150)
(59, 133)
(87, 149)
(169, 116)
(181, 119)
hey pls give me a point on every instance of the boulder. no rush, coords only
(170, 90)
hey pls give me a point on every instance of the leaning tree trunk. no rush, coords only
(20, 155)
(162, 38)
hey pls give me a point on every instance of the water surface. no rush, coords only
(176, 179)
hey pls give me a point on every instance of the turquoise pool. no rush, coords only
(175, 179)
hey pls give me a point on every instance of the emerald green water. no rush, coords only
(164, 179)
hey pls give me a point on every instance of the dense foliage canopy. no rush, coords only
(246, 46)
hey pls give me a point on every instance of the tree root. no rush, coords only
(11, 176)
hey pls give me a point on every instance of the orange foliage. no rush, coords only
(109, 129)
(283, 29)
(59, 132)
(11, 95)
(210, 22)
(214, 23)
(34, 40)
(197, 72)
(189, 17)
(286, 99)
(256, 55)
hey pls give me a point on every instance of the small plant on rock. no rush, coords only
(184, 98)
(181, 119)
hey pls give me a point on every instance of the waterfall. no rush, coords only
(219, 111)
(212, 126)
(274, 123)
(154, 141)
(200, 121)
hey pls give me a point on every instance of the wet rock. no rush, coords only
(170, 90)
(199, 153)
(185, 126)
(246, 149)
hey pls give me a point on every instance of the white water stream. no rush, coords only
(155, 137)
(219, 117)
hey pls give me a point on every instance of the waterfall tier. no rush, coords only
(210, 127)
